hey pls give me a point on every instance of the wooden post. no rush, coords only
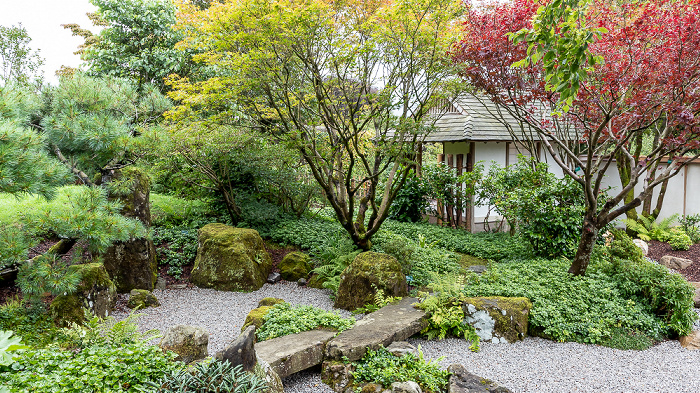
(450, 207)
(440, 208)
(460, 167)
(469, 219)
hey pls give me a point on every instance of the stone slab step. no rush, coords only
(395, 322)
(296, 352)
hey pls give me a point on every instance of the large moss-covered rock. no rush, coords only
(141, 298)
(294, 266)
(369, 272)
(498, 319)
(96, 292)
(188, 342)
(230, 259)
(256, 317)
(132, 264)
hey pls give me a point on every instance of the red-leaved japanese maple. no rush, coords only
(647, 89)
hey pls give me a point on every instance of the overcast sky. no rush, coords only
(43, 19)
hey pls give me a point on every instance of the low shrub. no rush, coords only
(177, 247)
(690, 226)
(565, 307)
(103, 356)
(210, 376)
(170, 211)
(679, 240)
(384, 368)
(306, 232)
(31, 322)
(284, 319)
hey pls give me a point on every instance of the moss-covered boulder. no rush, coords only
(131, 264)
(270, 301)
(498, 319)
(230, 259)
(256, 317)
(190, 343)
(141, 298)
(369, 272)
(315, 282)
(294, 266)
(96, 292)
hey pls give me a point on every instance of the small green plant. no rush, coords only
(679, 240)
(446, 317)
(628, 340)
(31, 322)
(209, 376)
(648, 229)
(9, 344)
(284, 319)
(177, 248)
(690, 226)
(379, 301)
(98, 331)
(623, 247)
(384, 368)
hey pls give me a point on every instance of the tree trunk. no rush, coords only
(589, 233)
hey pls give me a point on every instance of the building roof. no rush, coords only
(475, 118)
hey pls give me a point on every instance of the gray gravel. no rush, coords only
(533, 365)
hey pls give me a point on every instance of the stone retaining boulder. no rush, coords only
(230, 259)
(141, 298)
(295, 352)
(675, 263)
(462, 381)
(691, 341)
(96, 292)
(498, 319)
(369, 272)
(188, 342)
(256, 316)
(294, 266)
(241, 351)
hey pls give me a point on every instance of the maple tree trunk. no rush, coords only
(589, 233)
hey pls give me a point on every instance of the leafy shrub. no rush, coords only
(105, 356)
(658, 290)
(32, 323)
(283, 319)
(170, 211)
(411, 201)
(565, 307)
(623, 247)
(9, 344)
(305, 232)
(384, 368)
(449, 189)
(210, 376)
(379, 301)
(679, 240)
(690, 226)
(177, 247)
(648, 229)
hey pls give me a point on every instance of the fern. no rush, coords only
(648, 229)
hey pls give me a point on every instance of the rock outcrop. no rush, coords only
(188, 342)
(230, 259)
(141, 298)
(692, 340)
(294, 266)
(241, 351)
(498, 319)
(395, 322)
(368, 273)
(296, 352)
(462, 381)
(96, 292)
(675, 263)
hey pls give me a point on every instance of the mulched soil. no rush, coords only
(692, 272)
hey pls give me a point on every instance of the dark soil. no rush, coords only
(692, 272)
(277, 253)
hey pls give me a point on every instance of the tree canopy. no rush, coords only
(648, 82)
(346, 83)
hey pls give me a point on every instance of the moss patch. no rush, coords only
(270, 301)
(509, 313)
(256, 317)
(294, 266)
(369, 272)
(467, 260)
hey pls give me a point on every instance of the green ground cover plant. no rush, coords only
(209, 376)
(284, 319)
(102, 356)
(384, 368)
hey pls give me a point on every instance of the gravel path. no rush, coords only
(533, 365)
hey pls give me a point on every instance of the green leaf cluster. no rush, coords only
(574, 308)
(9, 344)
(690, 226)
(647, 228)
(209, 376)
(283, 319)
(384, 368)
(679, 240)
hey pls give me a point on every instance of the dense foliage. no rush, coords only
(209, 376)
(384, 368)
(284, 319)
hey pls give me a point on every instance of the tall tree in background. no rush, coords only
(19, 64)
(137, 42)
(346, 83)
(641, 77)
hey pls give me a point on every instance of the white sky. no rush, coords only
(43, 19)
